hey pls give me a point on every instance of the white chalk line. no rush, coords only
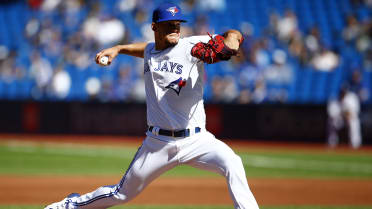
(314, 165)
(70, 149)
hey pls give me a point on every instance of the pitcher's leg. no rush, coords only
(214, 155)
(149, 162)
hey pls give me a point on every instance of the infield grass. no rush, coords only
(34, 158)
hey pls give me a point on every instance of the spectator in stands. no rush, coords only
(9, 71)
(106, 93)
(51, 42)
(279, 74)
(77, 51)
(50, 5)
(61, 83)
(41, 70)
(325, 60)
(261, 50)
(201, 26)
(188, 6)
(367, 61)
(224, 89)
(211, 5)
(110, 31)
(364, 40)
(124, 84)
(103, 28)
(259, 93)
(298, 50)
(271, 29)
(344, 112)
(250, 81)
(352, 29)
(313, 41)
(287, 26)
(357, 86)
(127, 5)
(93, 87)
(286, 30)
(138, 93)
(311, 51)
(31, 30)
(247, 31)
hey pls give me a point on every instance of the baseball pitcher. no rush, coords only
(176, 135)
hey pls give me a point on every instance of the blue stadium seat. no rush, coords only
(11, 90)
(336, 81)
(367, 83)
(306, 89)
(319, 86)
(4, 35)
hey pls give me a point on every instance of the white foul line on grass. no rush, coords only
(72, 150)
(316, 165)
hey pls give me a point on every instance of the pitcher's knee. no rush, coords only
(122, 195)
(232, 164)
(237, 161)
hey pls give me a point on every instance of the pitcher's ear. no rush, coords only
(153, 26)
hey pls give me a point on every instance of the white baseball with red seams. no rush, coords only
(174, 88)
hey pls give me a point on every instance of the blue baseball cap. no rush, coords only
(167, 12)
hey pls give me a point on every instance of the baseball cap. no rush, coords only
(166, 12)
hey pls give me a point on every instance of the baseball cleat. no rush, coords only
(72, 195)
(64, 204)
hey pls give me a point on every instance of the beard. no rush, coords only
(172, 39)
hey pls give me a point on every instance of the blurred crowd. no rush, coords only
(60, 39)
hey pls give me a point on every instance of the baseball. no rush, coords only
(103, 60)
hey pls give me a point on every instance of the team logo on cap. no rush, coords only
(172, 10)
(177, 85)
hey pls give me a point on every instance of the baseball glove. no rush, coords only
(213, 51)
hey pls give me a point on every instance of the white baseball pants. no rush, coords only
(159, 154)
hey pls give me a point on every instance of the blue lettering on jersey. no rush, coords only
(172, 66)
(163, 67)
(179, 69)
(157, 69)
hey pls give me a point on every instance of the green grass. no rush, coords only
(201, 207)
(68, 159)
(291, 163)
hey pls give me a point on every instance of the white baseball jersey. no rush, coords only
(174, 86)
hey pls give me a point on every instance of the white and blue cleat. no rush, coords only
(65, 203)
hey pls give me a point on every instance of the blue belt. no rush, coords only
(180, 133)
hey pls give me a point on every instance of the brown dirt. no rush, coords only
(202, 191)
(170, 190)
